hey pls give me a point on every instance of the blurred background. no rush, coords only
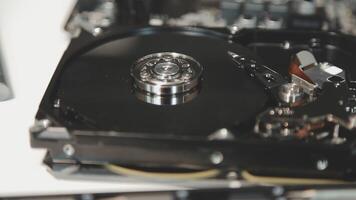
(331, 15)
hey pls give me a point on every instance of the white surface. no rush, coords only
(32, 42)
(333, 70)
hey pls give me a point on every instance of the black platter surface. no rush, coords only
(96, 84)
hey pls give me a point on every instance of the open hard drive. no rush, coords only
(173, 102)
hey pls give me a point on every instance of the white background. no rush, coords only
(32, 42)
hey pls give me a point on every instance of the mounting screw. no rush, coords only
(216, 157)
(322, 164)
(97, 31)
(69, 150)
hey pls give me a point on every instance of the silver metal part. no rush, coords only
(166, 73)
(71, 169)
(323, 72)
(290, 93)
(246, 21)
(206, 17)
(166, 99)
(274, 23)
(93, 21)
(268, 77)
(286, 45)
(319, 73)
(304, 7)
(306, 58)
(221, 134)
(40, 125)
(57, 103)
(307, 87)
(54, 133)
(44, 129)
(322, 164)
(216, 158)
(233, 29)
(271, 23)
(68, 150)
(336, 138)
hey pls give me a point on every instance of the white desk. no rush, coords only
(32, 42)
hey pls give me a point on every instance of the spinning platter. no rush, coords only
(103, 84)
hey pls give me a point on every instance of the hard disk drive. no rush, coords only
(187, 103)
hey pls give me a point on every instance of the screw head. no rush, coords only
(68, 150)
(97, 31)
(216, 158)
(286, 45)
(322, 164)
